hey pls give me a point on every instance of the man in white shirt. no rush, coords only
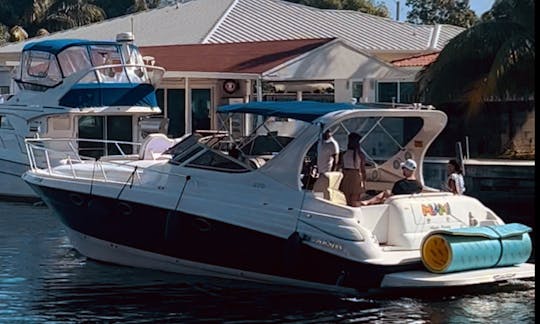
(327, 153)
(327, 160)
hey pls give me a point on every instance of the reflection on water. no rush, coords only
(43, 279)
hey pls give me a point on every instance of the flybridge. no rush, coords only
(46, 64)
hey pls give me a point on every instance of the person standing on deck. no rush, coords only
(353, 184)
(327, 153)
(327, 159)
(455, 182)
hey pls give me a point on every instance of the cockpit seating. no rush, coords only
(154, 145)
(328, 183)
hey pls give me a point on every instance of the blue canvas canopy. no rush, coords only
(55, 46)
(301, 110)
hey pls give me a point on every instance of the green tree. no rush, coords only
(115, 8)
(25, 13)
(4, 34)
(451, 12)
(65, 14)
(366, 6)
(491, 60)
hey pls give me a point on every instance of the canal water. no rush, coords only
(44, 280)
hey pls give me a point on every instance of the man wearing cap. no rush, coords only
(405, 186)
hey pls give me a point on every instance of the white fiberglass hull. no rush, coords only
(415, 279)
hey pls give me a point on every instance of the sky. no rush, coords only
(478, 6)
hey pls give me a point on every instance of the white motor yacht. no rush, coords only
(74, 88)
(193, 208)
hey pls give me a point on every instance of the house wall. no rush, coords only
(5, 80)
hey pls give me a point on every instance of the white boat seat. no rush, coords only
(154, 145)
(256, 162)
(328, 183)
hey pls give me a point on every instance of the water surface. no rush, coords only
(44, 280)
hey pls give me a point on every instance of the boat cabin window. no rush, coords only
(4, 123)
(200, 152)
(74, 59)
(269, 144)
(382, 137)
(184, 144)
(107, 55)
(132, 54)
(133, 57)
(186, 155)
(39, 69)
(213, 160)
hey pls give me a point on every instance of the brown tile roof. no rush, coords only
(248, 57)
(417, 60)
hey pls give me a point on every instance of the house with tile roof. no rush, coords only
(229, 50)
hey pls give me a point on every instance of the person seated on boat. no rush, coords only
(407, 185)
(353, 160)
(455, 182)
(101, 59)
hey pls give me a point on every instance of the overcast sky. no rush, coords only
(478, 6)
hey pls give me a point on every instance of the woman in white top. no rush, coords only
(353, 184)
(455, 182)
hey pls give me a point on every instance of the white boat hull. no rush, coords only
(416, 279)
(11, 184)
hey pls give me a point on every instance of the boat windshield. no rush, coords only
(382, 137)
(74, 59)
(40, 68)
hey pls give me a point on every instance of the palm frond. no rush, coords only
(479, 54)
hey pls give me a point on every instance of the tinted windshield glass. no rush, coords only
(183, 145)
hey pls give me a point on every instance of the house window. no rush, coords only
(406, 92)
(4, 123)
(357, 91)
(172, 103)
(387, 92)
(396, 92)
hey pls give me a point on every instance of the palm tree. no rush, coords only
(17, 34)
(493, 60)
(65, 14)
(4, 34)
(25, 13)
(42, 32)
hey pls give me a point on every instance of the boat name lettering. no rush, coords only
(436, 209)
(259, 185)
(330, 244)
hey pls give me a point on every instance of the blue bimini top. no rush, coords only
(55, 46)
(302, 110)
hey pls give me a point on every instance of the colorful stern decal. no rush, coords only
(436, 209)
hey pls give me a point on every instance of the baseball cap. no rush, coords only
(409, 164)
